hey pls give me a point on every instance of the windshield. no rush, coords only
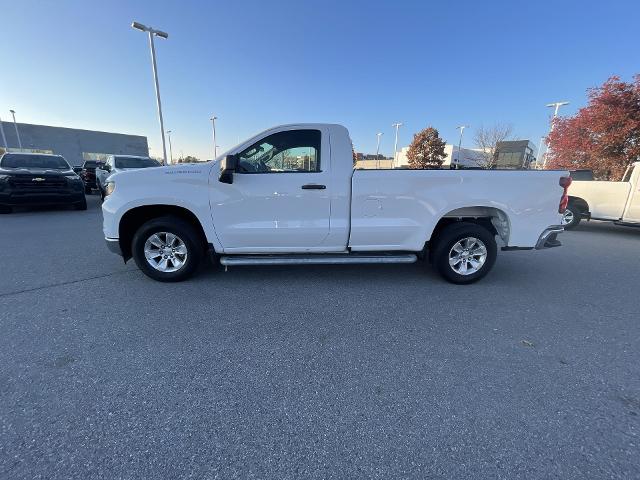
(34, 161)
(135, 162)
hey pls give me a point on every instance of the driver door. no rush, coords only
(279, 200)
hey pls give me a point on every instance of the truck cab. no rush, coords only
(605, 200)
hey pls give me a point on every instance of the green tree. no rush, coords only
(426, 150)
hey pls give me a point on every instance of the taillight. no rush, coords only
(564, 200)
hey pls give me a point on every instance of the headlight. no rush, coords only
(109, 188)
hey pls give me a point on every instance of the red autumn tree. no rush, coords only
(604, 136)
(426, 150)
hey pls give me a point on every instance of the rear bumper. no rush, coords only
(548, 238)
(113, 244)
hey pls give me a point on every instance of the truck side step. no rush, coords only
(230, 260)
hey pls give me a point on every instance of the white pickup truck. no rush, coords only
(616, 201)
(290, 195)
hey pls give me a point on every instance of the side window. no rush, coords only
(294, 151)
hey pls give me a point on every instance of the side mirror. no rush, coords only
(227, 168)
(77, 169)
(106, 167)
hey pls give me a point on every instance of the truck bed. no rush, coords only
(399, 209)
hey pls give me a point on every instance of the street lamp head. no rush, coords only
(213, 118)
(161, 34)
(139, 26)
(168, 131)
(558, 104)
(12, 111)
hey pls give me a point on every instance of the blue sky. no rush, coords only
(255, 64)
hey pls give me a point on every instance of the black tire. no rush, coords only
(575, 215)
(6, 209)
(81, 205)
(184, 231)
(449, 237)
(87, 190)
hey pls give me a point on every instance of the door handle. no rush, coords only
(313, 186)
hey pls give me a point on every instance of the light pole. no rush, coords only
(556, 106)
(170, 149)
(540, 151)
(153, 33)
(397, 125)
(4, 139)
(215, 145)
(461, 128)
(13, 113)
(378, 135)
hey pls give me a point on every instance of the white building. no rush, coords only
(468, 157)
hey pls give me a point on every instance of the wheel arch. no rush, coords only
(493, 219)
(134, 218)
(580, 203)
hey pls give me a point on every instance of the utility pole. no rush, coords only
(461, 128)
(215, 145)
(153, 33)
(556, 106)
(379, 134)
(170, 149)
(13, 113)
(397, 125)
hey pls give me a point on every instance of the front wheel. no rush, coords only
(571, 217)
(167, 249)
(464, 252)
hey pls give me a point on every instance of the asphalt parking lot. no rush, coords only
(316, 372)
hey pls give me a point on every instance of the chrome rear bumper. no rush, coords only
(548, 239)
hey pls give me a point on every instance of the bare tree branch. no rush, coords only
(487, 139)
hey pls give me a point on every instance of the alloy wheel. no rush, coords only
(166, 252)
(467, 256)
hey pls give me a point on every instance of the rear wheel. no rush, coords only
(5, 209)
(571, 217)
(167, 249)
(464, 252)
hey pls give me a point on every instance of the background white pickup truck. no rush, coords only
(291, 195)
(616, 201)
(120, 163)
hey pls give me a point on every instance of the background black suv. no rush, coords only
(88, 174)
(38, 179)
